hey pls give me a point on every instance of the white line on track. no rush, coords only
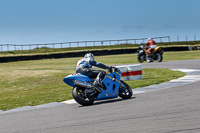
(192, 76)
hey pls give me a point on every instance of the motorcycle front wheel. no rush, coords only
(81, 97)
(125, 90)
(141, 58)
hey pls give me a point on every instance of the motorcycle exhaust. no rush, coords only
(86, 85)
(82, 84)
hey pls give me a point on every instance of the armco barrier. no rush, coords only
(131, 72)
(80, 54)
(66, 55)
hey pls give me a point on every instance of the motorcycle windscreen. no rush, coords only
(112, 83)
(70, 78)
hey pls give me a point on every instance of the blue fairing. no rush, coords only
(112, 86)
(70, 78)
(111, 82)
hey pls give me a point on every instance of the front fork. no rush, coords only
(121, 87)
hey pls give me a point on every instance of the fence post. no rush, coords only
(45, 45)
(102, 43)
(7, 47)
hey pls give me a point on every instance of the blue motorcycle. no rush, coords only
(111, 87)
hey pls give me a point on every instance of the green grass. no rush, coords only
(29, 83)
(155, 76)
(132, 58)
(184, 55)
(35, 90)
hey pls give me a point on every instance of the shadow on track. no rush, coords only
(108, 101)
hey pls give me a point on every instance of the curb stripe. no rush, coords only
(131, 73)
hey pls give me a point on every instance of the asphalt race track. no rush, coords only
(172, 110)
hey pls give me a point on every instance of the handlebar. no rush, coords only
(113, 69)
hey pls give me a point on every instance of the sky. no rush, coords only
(49, 21)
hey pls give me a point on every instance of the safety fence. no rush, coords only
(54, 46)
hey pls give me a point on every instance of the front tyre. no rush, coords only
(141, 58)
(81, 97)
(125, 90)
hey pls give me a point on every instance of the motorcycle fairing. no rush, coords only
(112, 83)
(157, 49)
(141, 52)
(70, 78)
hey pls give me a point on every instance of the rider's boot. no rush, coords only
(97, 84)
(149, 59)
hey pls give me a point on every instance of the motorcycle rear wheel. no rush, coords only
(80, 97)
(159, 57)
(125, 90)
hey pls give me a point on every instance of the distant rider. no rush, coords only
(84, 66)
(151, 45)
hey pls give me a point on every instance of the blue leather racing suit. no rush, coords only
(84, 67)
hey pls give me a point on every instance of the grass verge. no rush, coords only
(35, 90)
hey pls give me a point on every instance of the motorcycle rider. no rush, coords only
(84, 66)
(151, 45)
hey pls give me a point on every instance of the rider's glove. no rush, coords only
(109, 68)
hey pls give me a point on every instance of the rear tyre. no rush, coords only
(125, 90)
(81, 97)
(159, 57)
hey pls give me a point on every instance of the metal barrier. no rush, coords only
(21, 47)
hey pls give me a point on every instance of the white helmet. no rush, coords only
(89, 56)
(149, 39)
